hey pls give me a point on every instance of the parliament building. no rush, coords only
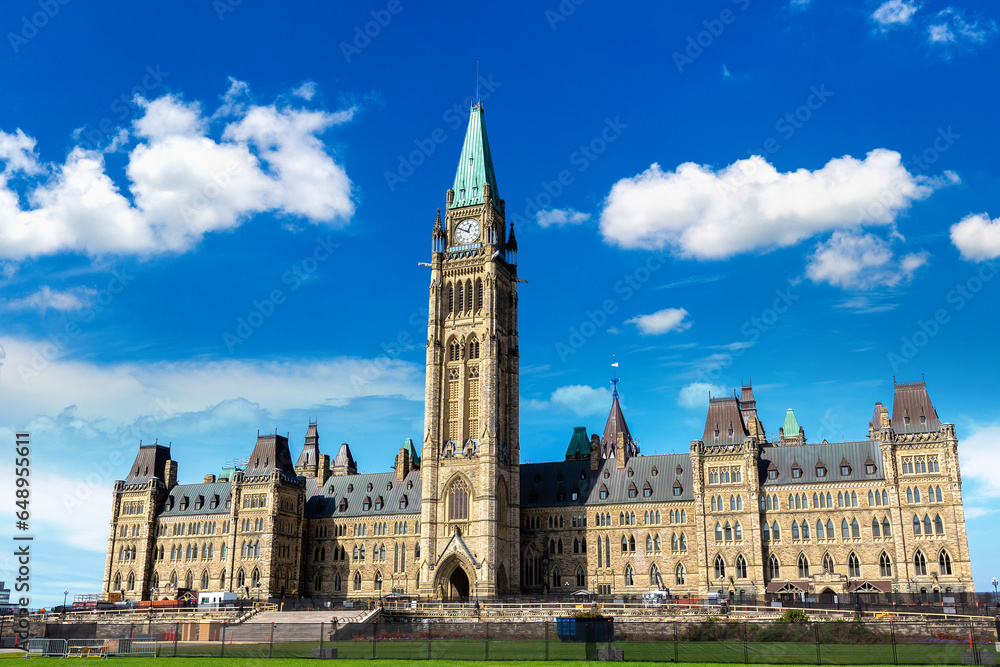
(736, 515)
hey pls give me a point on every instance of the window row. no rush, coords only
(724, 475)
(465, 296)
(735, 504)
(937, 525)
(934, 494)
(848, 529)
(729, 533)
(919, 465)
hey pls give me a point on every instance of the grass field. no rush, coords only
(527, 651)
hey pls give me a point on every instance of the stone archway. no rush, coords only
(453, 580)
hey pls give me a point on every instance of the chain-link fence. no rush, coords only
(721, 640)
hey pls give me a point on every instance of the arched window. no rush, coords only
(815, 500)
(629, 575)
(766, 531)
(827, 563)
(679, 574)
(222, 580)
(944, 562)
(241, 578)
(927, 525)
(773, 567)
(357, 581)
(886, 527)
(654, 576)
(855, 528)
(649, 542)
(738, 531)
(840, 499)
(631, 543)
(938, 525)
(684, 542)
(884, 565)
(829, 529)
(739, 503)
(204, 580)
(624, 544)
(819, 529)
(118, 581)
(458, 501)
(845, 529)
(916, 525)
(795, 530)
(854, 499)
(875, 528)
(803, 566)
(720, 567)
(656, 543)
(768, 502)
(718, 532)
(581, 578)
(189, 579)
(460, 306)
(937, 493)
(853, 565)
(451, 298)
(741, 567)
(775, 531)
(909, 495)
(674, 544)
(255, 577)
(871, 498)
(919, 564)
(714, 506)
(337, 581)
(805, 530)
(317, 582)
(729, 532)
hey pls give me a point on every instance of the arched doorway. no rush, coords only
(458, 585)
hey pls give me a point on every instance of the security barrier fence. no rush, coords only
(721, 640)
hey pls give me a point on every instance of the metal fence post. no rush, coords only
(892, 637)
(176, 630)
(222, 639)
(429, 626)
(487, 640)
(675, 640)
(746, 649)
(546, 640)
(130, 627)
(819, 657)
(374, 634)
(270, 642)
(321, 639)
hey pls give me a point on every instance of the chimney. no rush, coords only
(209, 479)
(595, 452)
(322, 470)
(170, 474)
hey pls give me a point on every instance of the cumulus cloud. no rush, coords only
(949, 28)
(560, 217)
(46, 298)
(978, 455)
(977, 237)
(695, 395)
(579, 399)
(861, 261)
(306, 91)
(895, 12)
(662, 321)
(750, 206)
(186, 178)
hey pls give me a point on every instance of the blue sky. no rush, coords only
(211, 215)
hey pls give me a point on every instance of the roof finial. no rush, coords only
(614, 378)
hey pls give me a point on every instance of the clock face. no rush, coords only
(467, 231)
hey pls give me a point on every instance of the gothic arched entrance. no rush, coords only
(453, 582)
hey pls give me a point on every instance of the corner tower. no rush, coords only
(470, 456)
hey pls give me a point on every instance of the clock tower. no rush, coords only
(470, 463)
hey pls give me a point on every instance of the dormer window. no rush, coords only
(923, 419)
(378, 503)
(604, 492)
(772, 474)
(906, 419)
(820, 471)
(574, 494)
(343, 505)
(845, 470)
(367, 505)
(560, 494)
(350, 488)
(632, 491)
(583, 475)
(184, 503)
(679, 471)
(199, 503)
(213, 503)
(716, 433)
(388, 487)
(409, 485)
(870, 469)
(678, 489)
(403, 502)
(647, 491)
(370, 487)
(730, 432)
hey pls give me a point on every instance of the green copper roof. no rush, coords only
(409, 446)
(475, 166)
(579, 444)
(791, 426)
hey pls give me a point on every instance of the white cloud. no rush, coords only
(183, 183)
(750, 206)
(561, 216)
(865, 304)
(726, 74)
(895, 12)
(949, 28)
(977, 237)
(46, 298)
(579, 399)
(662, 321)
(861, 261)
(977, 454)
(306, 91)
(695, 395)
(35, 381)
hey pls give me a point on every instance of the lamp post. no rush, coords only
(995, 582)
(66, 594)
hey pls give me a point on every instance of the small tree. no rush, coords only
(794, 616)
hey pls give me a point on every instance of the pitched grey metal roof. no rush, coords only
(271, 453)
(326, 501)
(831, 454)
(541, 485)
(910, 405)
(724, 415)
(175, 499)
(150, 462)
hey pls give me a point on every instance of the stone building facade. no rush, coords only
(735, 515)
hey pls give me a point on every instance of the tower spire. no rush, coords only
(614, 377)
(475, 166)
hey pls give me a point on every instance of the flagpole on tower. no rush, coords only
(614, 377)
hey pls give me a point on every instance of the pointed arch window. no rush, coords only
(944, 562)
(828, 566)
(720, 567)
(884, 565)
(680, 575)
(938, 525)
(875, 528)
(819, 529)
(684, 542)
(629, 575)
(795, 530)
(776, 531)
(458, 501)
(765, 531)
(649, 543)
(738, 531)
(845, 529)
(773, 567)
(674, 544)
(803, 566)
(718, 532)
(886, 527)
(741, 567)
(855, 528)
(927, 525)
(729, 532)
(853, 565)
(916, 525)
(654, 576)
(919, 564)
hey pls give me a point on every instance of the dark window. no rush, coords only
(772, 474)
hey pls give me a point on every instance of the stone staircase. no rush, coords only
(292, 626)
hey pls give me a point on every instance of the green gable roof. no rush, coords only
(475, 165)
(412, 450)
(791, 426)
